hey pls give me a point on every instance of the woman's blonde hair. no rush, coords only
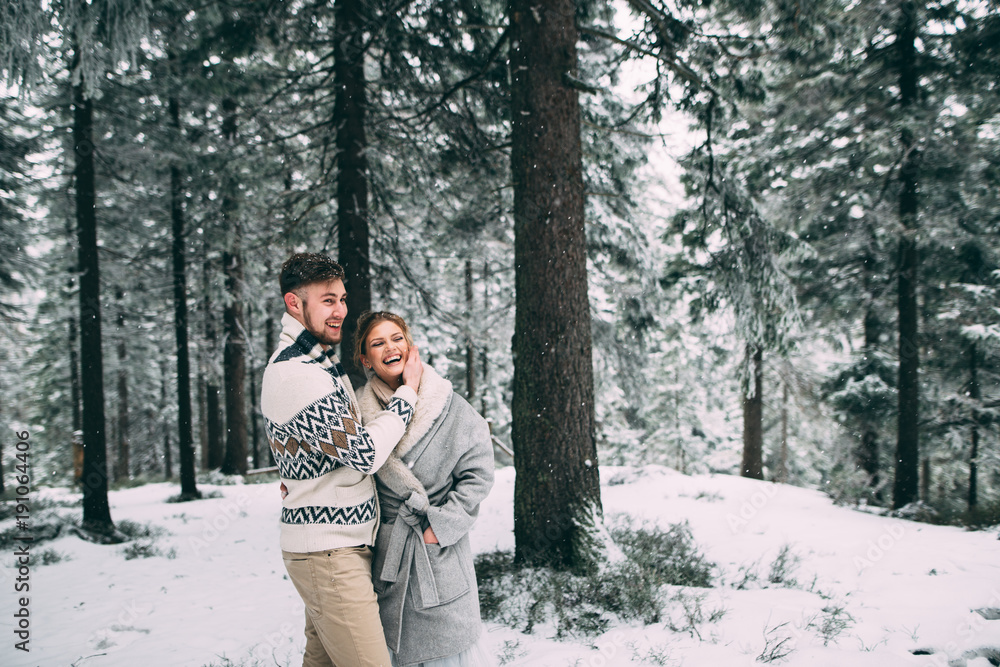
(368, 321)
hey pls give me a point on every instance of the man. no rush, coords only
(326, 458)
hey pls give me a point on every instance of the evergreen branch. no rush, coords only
(675, 65)
(494, 52)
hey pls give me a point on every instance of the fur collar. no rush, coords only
(432, 396)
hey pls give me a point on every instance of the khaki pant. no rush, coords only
(343, 628)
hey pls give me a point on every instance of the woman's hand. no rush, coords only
(413, 369)
(429, 536)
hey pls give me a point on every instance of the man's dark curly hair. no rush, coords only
(306, 268)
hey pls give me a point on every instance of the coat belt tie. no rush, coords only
(404, 539)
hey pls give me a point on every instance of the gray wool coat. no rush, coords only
(441, 471)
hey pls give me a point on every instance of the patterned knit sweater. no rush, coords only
(325, 456)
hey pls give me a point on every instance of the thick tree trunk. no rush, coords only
(96, 511)
(753, 418)
(122, 467)
(905, 486)
(185, 442)
(349, 116)
(557, 500)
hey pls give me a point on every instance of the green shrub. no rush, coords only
(669, 556)
(633, 589)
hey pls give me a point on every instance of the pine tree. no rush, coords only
(557, 506)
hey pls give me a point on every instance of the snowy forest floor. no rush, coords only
(799, 581)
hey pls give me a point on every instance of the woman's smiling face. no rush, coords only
(385, 352)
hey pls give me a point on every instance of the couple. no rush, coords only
(416, 602)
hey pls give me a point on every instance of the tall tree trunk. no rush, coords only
(557, 496)
(215, 450)
(122, 466)
(185, 442)
(753, 417)
(907, 444)
(234, 365)
(234, 352)
(975, 394)
(96, 511)
(349, 117)
(470, 350)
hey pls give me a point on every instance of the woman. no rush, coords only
(429, 491)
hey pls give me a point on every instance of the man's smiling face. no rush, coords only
(324, 307)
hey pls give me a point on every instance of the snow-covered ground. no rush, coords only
(870, 590)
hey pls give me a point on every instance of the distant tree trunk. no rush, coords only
(200, 396)
(907, 443)
(270, 338)
(470, 350)
(215, 450)
(234, 352)
(781, 475)
(185, 442)
(753, 417)
(168, 462)
(868, 448)
(122, 466)
(484, 357)
(349, 117)
(234, 365)
(557, 496)
(96, 511)
(975, 395)
(254, 399)
(925, 479)
(74, 384)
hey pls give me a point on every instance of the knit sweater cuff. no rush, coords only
(407, 394)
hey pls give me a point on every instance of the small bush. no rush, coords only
(783, 566)
(134, 530)
(146, 549)
(671, 556)
(522, 597)
(50, 557)
(48, 526)
(831, 622)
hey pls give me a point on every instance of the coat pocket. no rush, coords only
(451, 569)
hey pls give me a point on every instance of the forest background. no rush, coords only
(818, 308)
